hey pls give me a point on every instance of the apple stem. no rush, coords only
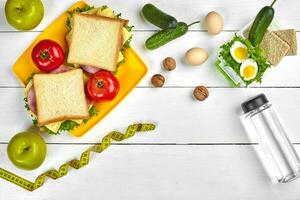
(27, 148)
(19, 9)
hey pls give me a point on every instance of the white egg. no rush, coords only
(248, 69)
(214, 23)
(239, 51)
(196, 56)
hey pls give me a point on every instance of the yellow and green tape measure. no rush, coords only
(77, 164)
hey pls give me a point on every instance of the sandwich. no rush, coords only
(57, 102)
(97, 39)
(60, 97)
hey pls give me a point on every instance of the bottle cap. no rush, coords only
(254, 103)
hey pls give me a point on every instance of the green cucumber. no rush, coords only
(261, 23)
(158, 17)
(163, 37)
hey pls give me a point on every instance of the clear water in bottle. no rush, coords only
(279, 155)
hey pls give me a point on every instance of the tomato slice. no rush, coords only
(103, 86)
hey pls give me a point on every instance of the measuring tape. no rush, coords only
(77, 164)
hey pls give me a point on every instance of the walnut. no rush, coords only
(169, 64)
(158, 80)
(201, 93)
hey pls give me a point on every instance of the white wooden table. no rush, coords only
(199, 150)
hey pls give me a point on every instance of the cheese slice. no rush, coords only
(106, 12)
(121, 57)
(78, 121)
(28, 86)
(126, 35)
(56, 125)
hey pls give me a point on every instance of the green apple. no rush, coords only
(27, 150)
(24, 14)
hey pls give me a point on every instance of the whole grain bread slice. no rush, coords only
(290, 37)
(275, 48)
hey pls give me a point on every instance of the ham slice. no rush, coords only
(88, 101)
(31, 100)
(90, 69)
(61, 69)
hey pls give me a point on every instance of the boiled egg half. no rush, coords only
(239, 52)
(248, 69)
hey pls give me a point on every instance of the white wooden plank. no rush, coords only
(235, 14)
(286, 74)
(179, 118)
(162, 172)
(14, 44)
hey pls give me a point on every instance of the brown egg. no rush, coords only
(214, 23)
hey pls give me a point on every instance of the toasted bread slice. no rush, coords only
(290, 37)
(60, 97)
(95, 41)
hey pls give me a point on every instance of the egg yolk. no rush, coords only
(248, 71)
(241, 53)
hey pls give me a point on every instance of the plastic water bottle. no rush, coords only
(278, 154)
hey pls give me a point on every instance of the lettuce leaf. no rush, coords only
(69, 125)
(65, 126)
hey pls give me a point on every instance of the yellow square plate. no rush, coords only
(129, 74)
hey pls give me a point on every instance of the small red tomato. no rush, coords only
(47, 55)
(103, 86)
